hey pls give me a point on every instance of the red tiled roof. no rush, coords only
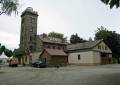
(55, 52)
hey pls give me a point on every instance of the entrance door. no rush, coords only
(105, 58)
(45, 60)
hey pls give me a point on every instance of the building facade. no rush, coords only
(43, 41)
(33, 43)
(89, 53)
(53, 57)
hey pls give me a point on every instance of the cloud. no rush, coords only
(11, 41)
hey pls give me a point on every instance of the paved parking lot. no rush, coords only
(70, 75)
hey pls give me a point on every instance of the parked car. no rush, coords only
(39, 64)
(13, 62)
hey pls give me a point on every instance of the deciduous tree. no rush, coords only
(8, 6)
(18, 53)
(112, 3)
(2, 48)
(8, 52)
(58, 35)
(76, 39)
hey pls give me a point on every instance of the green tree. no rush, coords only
(18, 53)
(57, 35)
(112, 3)
(8, 53)
(111, 38)
(8, 6)
(2, 48)
(76, 39)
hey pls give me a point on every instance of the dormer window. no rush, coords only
(103, 47)
(99, 46)
(106, 48)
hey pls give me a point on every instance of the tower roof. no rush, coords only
(30, 11)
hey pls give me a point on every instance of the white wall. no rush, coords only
(86, 57)
(96, 57)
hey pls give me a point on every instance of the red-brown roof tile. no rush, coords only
(55, 52)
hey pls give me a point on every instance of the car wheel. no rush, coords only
(38, 65)
(16, 65)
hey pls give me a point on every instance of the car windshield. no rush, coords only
(38, 61)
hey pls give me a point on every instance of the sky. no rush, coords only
(62, 16)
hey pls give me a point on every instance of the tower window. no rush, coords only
(32, 20)
(30, 38)
(31, 48)
(31, 29)
(79, 57)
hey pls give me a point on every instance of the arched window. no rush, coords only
(79, 57)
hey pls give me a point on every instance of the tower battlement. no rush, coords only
(29, 10)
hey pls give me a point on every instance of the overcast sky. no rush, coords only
(64, 16)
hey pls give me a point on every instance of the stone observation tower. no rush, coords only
(28, 29)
